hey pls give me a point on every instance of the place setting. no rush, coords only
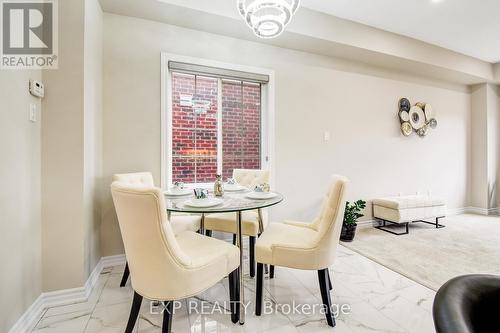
(224, 196)
(178, 190)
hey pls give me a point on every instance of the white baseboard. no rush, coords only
(30, 317)
(63, 297)
(481, 211)
(366, 224)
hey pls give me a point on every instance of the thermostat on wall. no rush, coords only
(36, 88)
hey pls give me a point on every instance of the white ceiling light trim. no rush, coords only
(268, 18)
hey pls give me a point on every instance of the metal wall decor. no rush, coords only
(418, 118)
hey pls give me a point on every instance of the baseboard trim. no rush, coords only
(63, 297)
(481, 211)
(366, 224)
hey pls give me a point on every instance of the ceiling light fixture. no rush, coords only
(268, 18)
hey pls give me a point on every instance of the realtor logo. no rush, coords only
(29, 34)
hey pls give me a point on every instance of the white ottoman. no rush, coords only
(404, 210)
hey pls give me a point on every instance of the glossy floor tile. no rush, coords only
(368, 298)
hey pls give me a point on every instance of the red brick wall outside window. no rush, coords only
(195, 137)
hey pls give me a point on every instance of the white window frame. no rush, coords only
(267, 114)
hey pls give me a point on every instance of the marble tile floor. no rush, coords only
(368, 297)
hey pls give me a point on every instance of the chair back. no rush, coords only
(251, 178)
(467, 304)
(156, 262)
(329, 223)
(136, 178)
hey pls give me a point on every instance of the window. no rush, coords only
(215, 123)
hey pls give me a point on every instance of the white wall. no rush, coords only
(479, 142)
(485, 142)
(63, 156)
(93, 90)
(357, 104)
(20, 222)
(493, 144)
(71, 149)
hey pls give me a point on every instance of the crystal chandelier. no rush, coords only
(267, 18)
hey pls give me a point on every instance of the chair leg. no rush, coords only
(126, 273)
(271, 271)
(234, 239)
(251, 249)
(208, 233)
(134, 312)
(258, 291)
(325, 296)
(167, 317)
(330, 286)
(234, 295)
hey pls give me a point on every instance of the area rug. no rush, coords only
(470, 244)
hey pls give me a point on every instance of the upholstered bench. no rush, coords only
(404, 210)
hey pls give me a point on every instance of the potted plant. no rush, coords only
(351, 216)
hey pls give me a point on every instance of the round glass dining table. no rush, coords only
(236, 202)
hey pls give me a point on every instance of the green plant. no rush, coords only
(352, 212)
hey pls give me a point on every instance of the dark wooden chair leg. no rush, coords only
(208, 233)
(258, 289)
(234, 239)
(234, 295)
(168, 315)
(134, 312)
(251, 249)
(271, 271)
(325, 296)
(126, 273)
(330, 286)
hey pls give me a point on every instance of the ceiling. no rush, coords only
(470, 27)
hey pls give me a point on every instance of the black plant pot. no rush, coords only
(348, 232)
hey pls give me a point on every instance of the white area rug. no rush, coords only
(469, 244)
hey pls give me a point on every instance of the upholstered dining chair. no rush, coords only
(179, 223)
(167, 267)
(307, 246)
(252, 223)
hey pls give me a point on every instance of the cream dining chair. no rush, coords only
(253, 222)
(164, 266)
(179, 223)
(308, 246)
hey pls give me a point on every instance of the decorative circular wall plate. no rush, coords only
(429, 112)
(404, 104)
(417, 117)
(406, 129)
(422, 132)
(420, 105)
(433, 123)
(404, 116)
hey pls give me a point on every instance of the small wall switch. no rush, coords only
(327, 136)
(33, 112)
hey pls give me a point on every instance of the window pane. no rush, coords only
(240, 126)
(194, 128)
(251, 126)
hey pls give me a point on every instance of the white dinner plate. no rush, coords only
(203, 203)
(178, 193)
(234, 187)
(417, 117)
(261, 195)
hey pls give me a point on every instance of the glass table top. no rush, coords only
(231, 202)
